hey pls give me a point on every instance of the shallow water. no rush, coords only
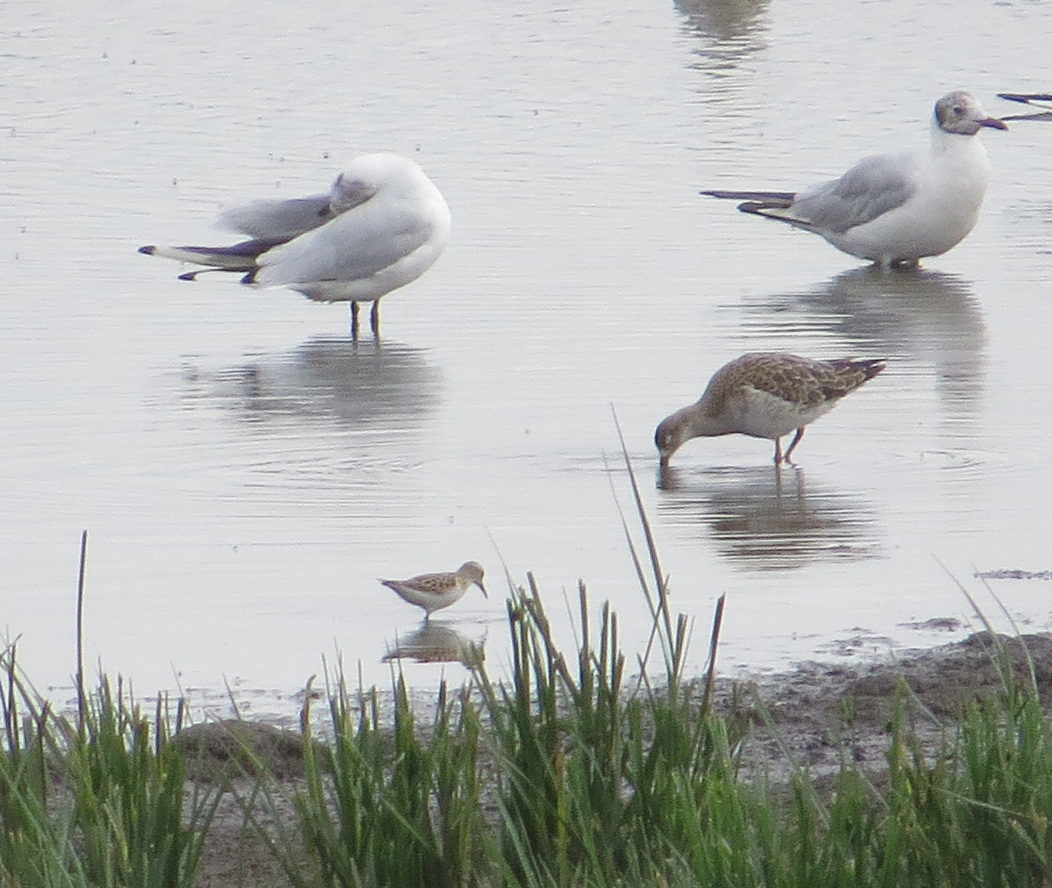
(246, 472)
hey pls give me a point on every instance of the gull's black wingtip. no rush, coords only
(1026, 98)
(148, 250)
(782, 197)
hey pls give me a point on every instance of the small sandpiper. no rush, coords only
(435, 591)
(764, 395)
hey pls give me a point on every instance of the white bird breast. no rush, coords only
(763, 415)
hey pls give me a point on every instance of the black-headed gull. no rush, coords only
(381, 225)
(895, 209)
(764, 395)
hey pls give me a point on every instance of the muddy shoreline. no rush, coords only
(812, 717)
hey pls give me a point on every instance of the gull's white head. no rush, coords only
(960, 114)
(365, 176)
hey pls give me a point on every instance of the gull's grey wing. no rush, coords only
(872, 187)
(354, 245)
(278, 220)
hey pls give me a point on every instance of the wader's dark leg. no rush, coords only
(796, 440)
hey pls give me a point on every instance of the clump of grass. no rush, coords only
(592, 776)
(34, 847)
(391, 806)
(97, 799)
(136, 824)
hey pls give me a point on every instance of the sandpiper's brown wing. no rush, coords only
(431, 583)
(842, 376)
(804, 381)
(788, 377)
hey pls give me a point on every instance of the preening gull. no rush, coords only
(895, 209)
(381, 225)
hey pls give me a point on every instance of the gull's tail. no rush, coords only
(240, 257)
(769, 204)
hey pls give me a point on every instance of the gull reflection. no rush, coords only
(730, 29)
(367, 383)
(723, 19)
(436, 642)
(931, 318)
(765, 518)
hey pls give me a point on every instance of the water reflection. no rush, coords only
(731, 28)
(377, 384)
(930, 317)
(765, 518)
(436, 642)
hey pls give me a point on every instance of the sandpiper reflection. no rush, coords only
(768, 519)
(436, 642)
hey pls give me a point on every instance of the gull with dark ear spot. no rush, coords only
(895, 209)
(381, 225)
(764, 395)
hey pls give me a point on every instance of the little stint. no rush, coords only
(435, 591)
(764, 395)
